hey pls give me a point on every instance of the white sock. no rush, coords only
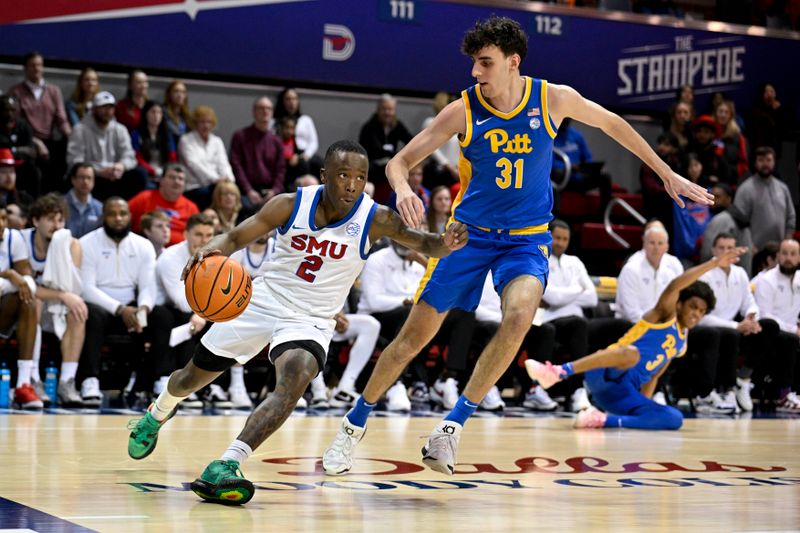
(318, 385)
(37, 353)
(237, 377)
(238, 451)
(164, 405)
(24, 367)
(68, 370)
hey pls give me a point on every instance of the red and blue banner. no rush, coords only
(407, 45)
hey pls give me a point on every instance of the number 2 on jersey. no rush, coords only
(311, 263)
(505, 167)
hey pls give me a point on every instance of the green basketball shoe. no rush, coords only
(144, 435)
(223, 482)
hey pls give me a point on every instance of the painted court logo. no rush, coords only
(540, 472)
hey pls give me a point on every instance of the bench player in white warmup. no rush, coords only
(323, 236)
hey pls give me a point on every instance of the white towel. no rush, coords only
(61, 274)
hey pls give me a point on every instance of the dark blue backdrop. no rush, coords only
(410, 45)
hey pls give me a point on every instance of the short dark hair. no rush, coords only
(765, 150)
(558, 223)
(344, 146)
(670, 138)
(33, 53)
(199, 219)
(769, 250)
(48, 204)
(723, 235)
(701, 290)
(111, 200)
(725, 188)
(73, 170)
(505, 33)
(177, 167)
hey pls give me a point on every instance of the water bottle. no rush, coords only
(5, 386)
(51, 382)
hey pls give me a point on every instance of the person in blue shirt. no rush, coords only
(583, 177)
(506, 124)
(623, 377)
(85, 211)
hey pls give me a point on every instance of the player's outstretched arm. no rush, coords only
(387, 223)
(567, 102)
(272, 214)
(665, 307)
(450, 121)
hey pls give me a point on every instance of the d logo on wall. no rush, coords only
(338, 43)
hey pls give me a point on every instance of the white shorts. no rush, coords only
(265, 321)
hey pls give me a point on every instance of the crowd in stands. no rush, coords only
(102, 202)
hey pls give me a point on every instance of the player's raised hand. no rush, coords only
(198, 256)
(410, 207)
(455, 236)
(729, 258)
(677, 186)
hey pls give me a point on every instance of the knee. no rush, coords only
(408, 345)
(372, 325)
(516, 322)
(673, 419)
(75, 324)
(769, 326)
(629, 356)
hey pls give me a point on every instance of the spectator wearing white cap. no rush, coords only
(105, 144)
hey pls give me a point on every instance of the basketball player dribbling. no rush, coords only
(506, 124)
(623, 377)
(323, 236)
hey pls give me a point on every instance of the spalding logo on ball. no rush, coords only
(218, 288)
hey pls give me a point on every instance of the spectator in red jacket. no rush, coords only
(169, 199)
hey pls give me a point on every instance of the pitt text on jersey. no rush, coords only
(519, 144)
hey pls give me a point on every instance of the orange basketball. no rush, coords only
(218, 288)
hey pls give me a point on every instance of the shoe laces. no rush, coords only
(442, 441)
(231, 467)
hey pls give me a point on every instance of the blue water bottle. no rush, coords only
(5, 386)
(51, 382)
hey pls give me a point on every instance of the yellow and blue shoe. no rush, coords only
(223, 482)
(144, 433)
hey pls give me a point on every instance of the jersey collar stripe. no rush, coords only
(513, 112)
(468, 112)
(347, 217)
(547, 120)
(365, 233)
(298, 197)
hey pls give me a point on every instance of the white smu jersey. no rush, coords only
(37, 264)
(311, 268)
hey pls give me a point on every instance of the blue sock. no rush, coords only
(463, 410)
(360, 411)
(567, 370)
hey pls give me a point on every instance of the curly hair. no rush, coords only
(505, 33)
(702, 290)
(49, 204)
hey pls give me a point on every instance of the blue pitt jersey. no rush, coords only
(505, 162)
(657, 344)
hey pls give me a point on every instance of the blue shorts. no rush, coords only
(456, 281)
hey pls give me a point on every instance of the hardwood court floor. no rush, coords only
(72, 473)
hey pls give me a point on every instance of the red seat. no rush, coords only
(594, 236)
